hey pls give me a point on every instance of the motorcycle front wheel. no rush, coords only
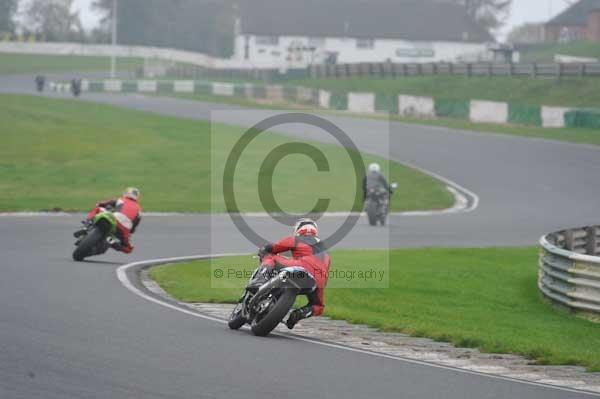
(268, 322)
(236, 320)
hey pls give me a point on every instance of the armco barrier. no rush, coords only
(554, 116)
(416, 106)
(569, 270)
(222, 89)
(488, 112)
(458, 109)
(364, 103)
(524, 114)
(147, 86)
(183, 86)
(586, 118)
(324, 99)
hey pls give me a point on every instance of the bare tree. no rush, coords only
(491, 14)
(8, 8)
(54, 20)
(529, 33)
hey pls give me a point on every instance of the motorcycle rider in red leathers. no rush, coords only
(309, 254)
(127, 212)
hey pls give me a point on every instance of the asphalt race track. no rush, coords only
(72, 330)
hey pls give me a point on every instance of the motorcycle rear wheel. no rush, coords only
(372, 212)
(85, 247)
(268, 323)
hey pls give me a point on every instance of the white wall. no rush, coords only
(122, 51)
(348, 52)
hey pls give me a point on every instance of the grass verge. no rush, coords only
(579, 135)
(68, 155)
(483, 298)
(569, 92)
(545, 52)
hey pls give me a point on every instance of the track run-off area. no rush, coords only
(72, 330)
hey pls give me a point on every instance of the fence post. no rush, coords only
(591, 241)
(434, 68)
(382, 72)
(451, 68)
(559, 69)
(511, 69)
(469, 69)
(490, 70)
(569, 240)
(420, 69)
(404, 70)
(583, 67)
(534, 70)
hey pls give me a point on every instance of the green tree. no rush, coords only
(198, 25)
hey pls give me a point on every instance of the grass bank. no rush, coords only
(33, 63)
(571, 92)
(579, 135)
(68, 155)
(483, 298)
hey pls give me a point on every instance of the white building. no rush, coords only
(298, 33)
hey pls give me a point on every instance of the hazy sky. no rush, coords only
(522, 11)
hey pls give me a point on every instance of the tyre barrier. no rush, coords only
(569, 270)
(359, 102)
(59, 87)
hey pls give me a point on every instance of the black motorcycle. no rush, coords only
(268, 298)
(377, 204)
(76, 87)
(40, 82)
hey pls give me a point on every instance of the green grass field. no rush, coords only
(26, 63)
(572, 92)
(484, 298)
(66, 154)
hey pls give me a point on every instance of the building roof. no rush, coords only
(420, 20)
(576, 15)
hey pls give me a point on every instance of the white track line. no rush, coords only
(122, 276)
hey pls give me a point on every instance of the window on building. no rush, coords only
(365, 44)
(267, 40)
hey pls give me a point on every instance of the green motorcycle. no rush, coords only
(97, 236)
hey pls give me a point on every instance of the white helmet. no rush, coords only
(132, 193)
(306, 227)
(374, 167)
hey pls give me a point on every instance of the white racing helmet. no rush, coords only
(306, 227)
(374, 167)
(132, 193)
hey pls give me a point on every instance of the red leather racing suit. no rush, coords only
(308, 253)
(128, 215)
